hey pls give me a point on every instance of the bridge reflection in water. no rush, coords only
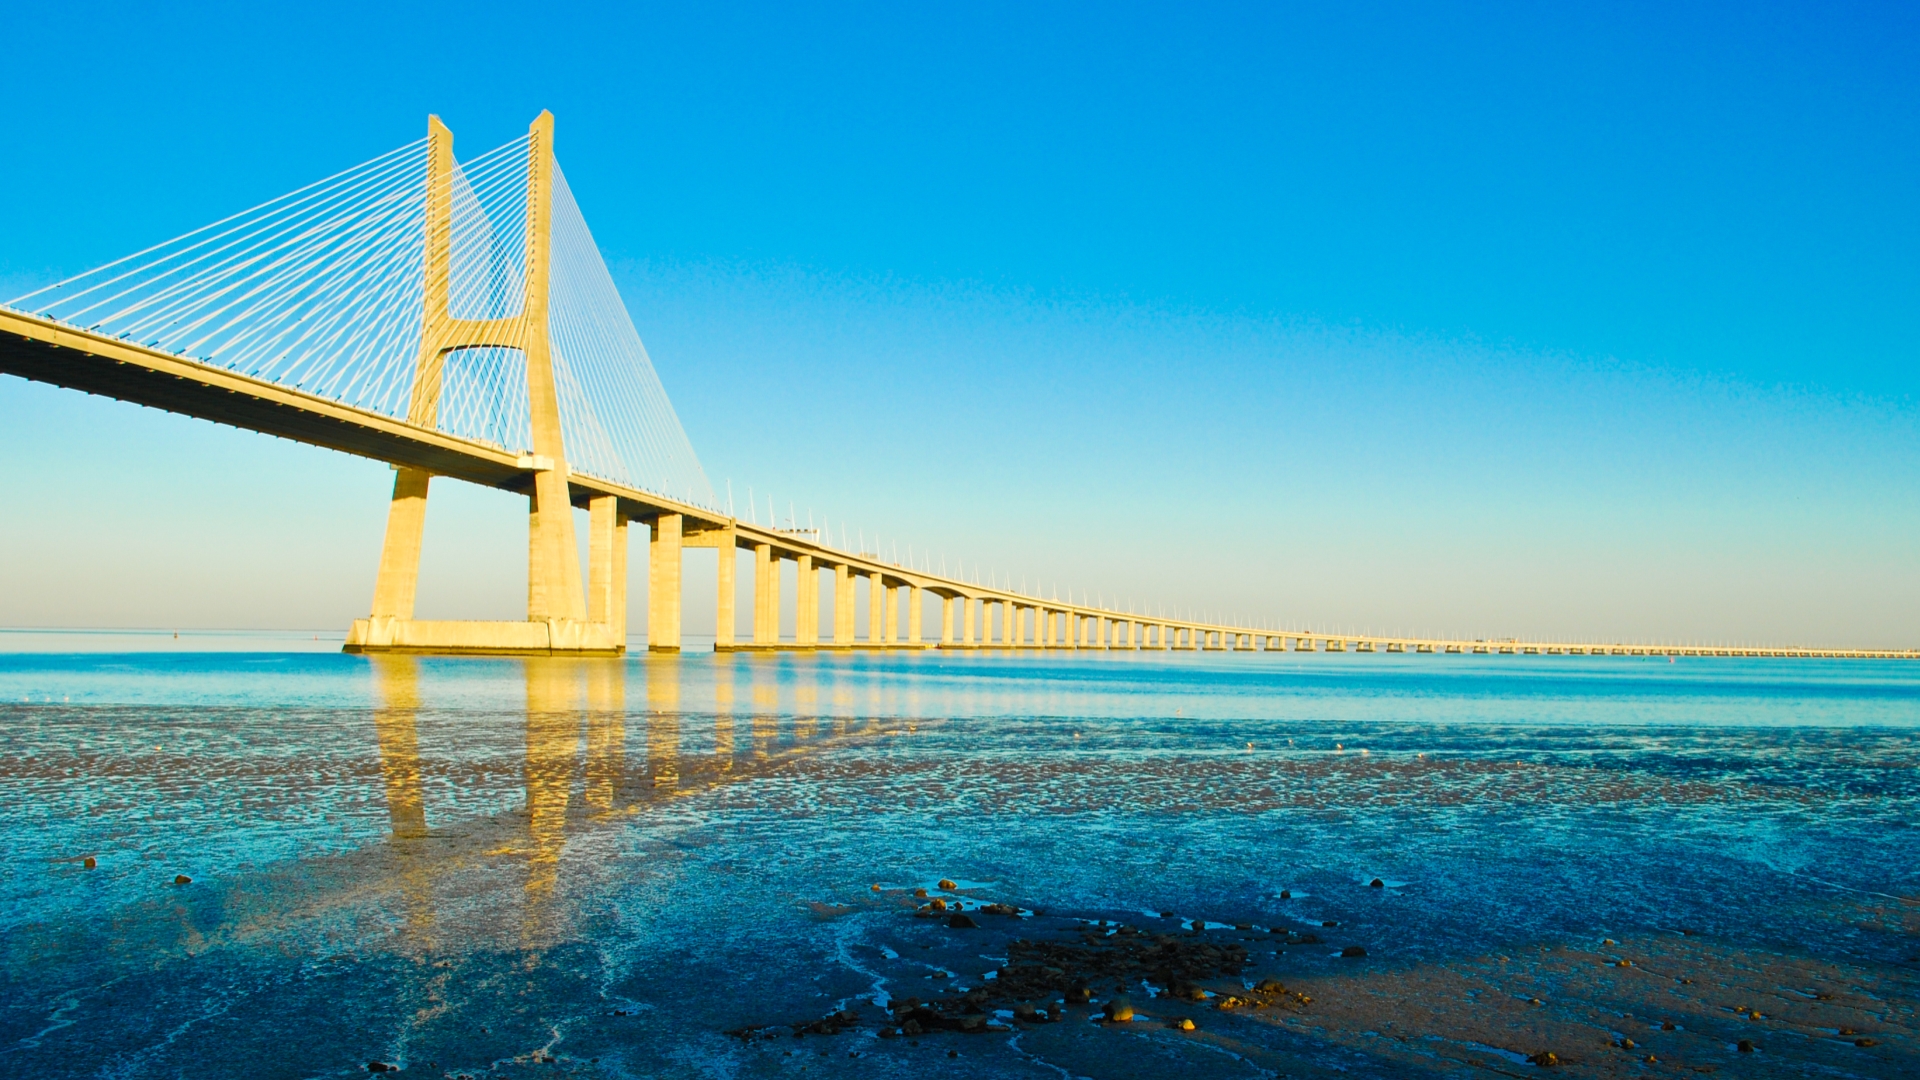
(576, 771)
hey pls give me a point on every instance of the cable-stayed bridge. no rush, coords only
(455, 319)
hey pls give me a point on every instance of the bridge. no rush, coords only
(456, 320)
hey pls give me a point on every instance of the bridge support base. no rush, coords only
(550, 637)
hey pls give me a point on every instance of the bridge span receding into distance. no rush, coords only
(455, 320)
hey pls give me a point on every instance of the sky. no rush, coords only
(1575, 321)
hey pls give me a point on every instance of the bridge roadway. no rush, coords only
(47, 351)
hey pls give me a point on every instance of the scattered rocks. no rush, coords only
(1000, 909)
(1270, 986)
(1546, 1059)
(1118, 1009)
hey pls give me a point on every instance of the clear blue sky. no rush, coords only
(1557, 319)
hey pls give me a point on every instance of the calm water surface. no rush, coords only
(477, 865)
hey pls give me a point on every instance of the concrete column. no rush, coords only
(725, 623)
(663, 585)
(916, 606)
(890, 630)
(806, 628)
(607, 566)
(1043, 637)
(966, 620)
(946, 618)
(766, 596)
(399, 577)
(876, 608)
(842, 605)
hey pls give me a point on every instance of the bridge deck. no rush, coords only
(51, 352)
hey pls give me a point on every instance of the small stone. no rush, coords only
(1744, 1046)
(1666, 1025)
(1286, 894)
(947, 883)
(1353, 950)
(1166, 914)
(1535, 1001)
(182, 879)
(1376, 883)
(1025, 1011)
(1866, 1042)
(1271, 986)
(953, 1053)
(921, 893)
(1545, 1059)
(1079, 995)
(1626, 1044)
(1182, 1024)
(1119, 1009)
(938, 904)
(1329, 922)
(380, 1066)
(89, 862)
(876, 888)
(961, 922)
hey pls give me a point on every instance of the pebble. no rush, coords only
(961, 922)
(947, 883)
(1376, 883)
(89, 863)
(921, 893)
(1353, 950)
(1286, 894)
(1182, 1024)
(876, 888)
(182, 879)
(380, 1066)
(1866, 1042)
(1119, 1009)
(1544, 1059)
(1744, 1046)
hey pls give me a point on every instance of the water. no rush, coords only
(472, 866)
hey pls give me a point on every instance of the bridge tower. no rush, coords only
(558, 619)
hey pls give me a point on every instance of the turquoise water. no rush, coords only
(473, 865)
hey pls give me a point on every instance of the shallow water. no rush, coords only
(473, 865)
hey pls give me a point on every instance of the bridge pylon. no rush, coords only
(558, 616)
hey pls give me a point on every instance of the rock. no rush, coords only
(1376, 883)
(89, 863)
(888, 1032)
(1182, 1024)
(1744, 1046)
(1166, 914)
(1866, 1042)
(962, 921)
(1353, 950)
(182, 879)
(921, 893)
(1119, 1009)
(911, 1027)
(1271, 986)
(1625, 1044)
(380, 1066)
(1026, 1012)
(1000, 909)
(1666, 1025)
(1079, 995)
(1286, 894)
(1545, 1059)
(1329, 922)
(876, 888)
(947, 883)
